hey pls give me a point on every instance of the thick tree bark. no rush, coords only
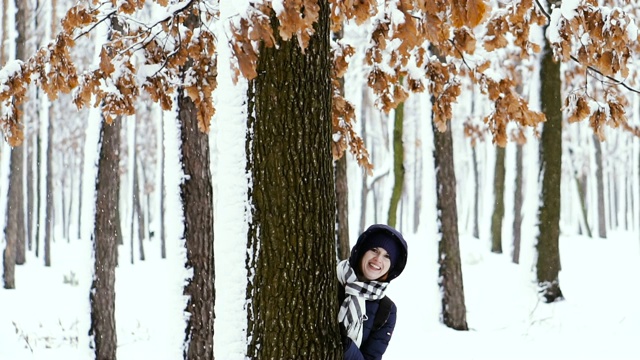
(518, 200)
(602, 217)
(548, 263)
(292, 312)
(498, 204)
(197, 196)
(398, 165)
(102, 296)
(196, 192)
(454, 311)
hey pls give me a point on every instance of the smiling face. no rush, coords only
(375, 264)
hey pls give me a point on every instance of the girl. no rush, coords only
(367, 317)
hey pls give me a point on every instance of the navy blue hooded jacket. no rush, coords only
(374, 342)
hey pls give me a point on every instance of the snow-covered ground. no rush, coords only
(47, 317)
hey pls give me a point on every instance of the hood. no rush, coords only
(356, 253)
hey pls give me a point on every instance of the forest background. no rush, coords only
(498, 95)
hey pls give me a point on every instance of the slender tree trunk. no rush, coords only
(548, 263)
(39, 191)
(450, 280)
(139, 212)
(498, 204)
(67, 225)
(583, 205)
(518, 200)
(292, 227)
(49, 218)
(476, 193)
(134, 192)
(102, 296)
(417, 180)
(196, 192)
(30, 184)
(398, 165)
(364, 192)
(161, 228)
(16, 178)
(602, 217)
(4, 37)
(342, 192)
(342, 207)
(453, 311)
(8, 254)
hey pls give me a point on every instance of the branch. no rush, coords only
(544, 11)
(615, 81)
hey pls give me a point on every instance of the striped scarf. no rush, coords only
(352, 312)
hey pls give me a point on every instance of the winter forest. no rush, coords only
(179, 178)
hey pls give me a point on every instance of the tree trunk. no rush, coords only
(498, 204)
(292, 312)
(196, 192)
(30, 139)
(48, 232)
(453, 304)
(342, 207)
(476, 193)
(39, 191)
(342, 192)
(417, 179)
(102, 296)
(518, 200)
(583, 202)
(16, 179)
(132, 186)
(4, 37)
(398, 165)
(364, 192)
(138, 209)
(602, 217)
(548, 263)
(162, 152)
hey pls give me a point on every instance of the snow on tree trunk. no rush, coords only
(292, 311)
(196, 192)
(548, 259)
